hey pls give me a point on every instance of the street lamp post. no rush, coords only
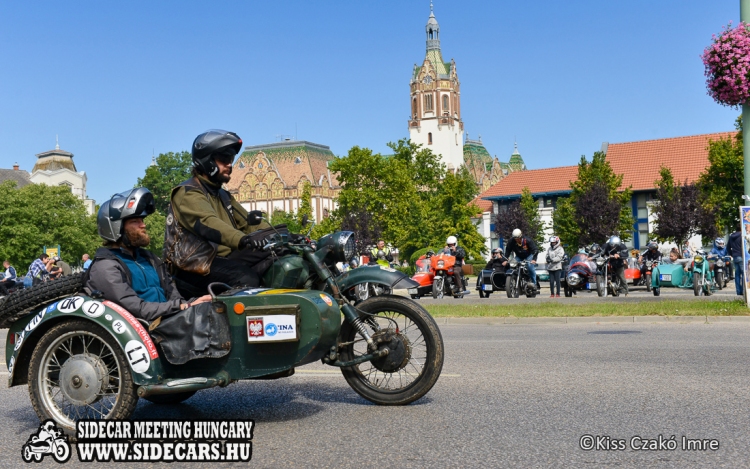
(745, 17)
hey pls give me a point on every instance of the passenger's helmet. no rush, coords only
(652, 246)
(720, 242)
(451, 240)
(554, 241)
(614, 239)
(430, 253)
(517, 233)
(497, 251)
(595, 248)
(211, 143)
(130, 204)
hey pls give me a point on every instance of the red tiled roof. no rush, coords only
(537, 180)
(640, 162)
(484, 205)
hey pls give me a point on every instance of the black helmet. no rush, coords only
(497, 251)
(430, 253)
(211, 143)
(653, 246)
(129, 204)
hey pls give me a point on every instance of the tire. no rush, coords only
(696, 283)
(601, 288)
(656, 290)
(568, 292)
(648, 282)
(22, 302)
(382, 382)
(510, 288)
(719, 280)
(27, 454)
(104, 360)
(170, 399)
(481, 294)
(616, 287)
(437, 287)
(414, 297)
(487, 294)
(62, 453)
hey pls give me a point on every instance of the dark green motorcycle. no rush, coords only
(88, 358)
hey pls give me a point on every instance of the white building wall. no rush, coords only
(76, 182)
(446, 140)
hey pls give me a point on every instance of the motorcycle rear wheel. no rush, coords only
(91, 351)
(423, 352)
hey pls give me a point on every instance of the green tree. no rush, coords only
(305, 207)
(280, 217)
(38, 215)
(596, 207)
(722, 183)
(170, 170)
(156, 224)
(530, 208)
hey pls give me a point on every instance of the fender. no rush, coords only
(130, 334)
(375, 274)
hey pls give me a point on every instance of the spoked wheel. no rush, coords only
(510, 288)
(415, 357)
(601, 287)
(648, 282)
(720, 280)
(697, 283)
(437, 287)
(78, 371)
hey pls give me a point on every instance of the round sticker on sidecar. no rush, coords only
(116, 321)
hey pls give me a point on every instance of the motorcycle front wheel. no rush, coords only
(648, 282)
(510, 288)
(415, 358)
(66, 353)
(697, 287)
(719, 280)
(437, 287)
(600, 285)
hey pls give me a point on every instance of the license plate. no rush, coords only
(412, 291)
(665, 277)
(487, 287)
(591, 286)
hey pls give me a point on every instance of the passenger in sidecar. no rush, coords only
(137, 280)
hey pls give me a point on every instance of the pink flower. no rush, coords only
(727, 66)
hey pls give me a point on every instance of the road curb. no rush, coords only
(493, 321)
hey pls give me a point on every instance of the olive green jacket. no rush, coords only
(203, 214)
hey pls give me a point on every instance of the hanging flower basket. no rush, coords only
(727, 63)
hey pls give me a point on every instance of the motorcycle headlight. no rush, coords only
(513, 263)
(720, 263)
(600, 261)
(341, 245)
(440, 264)
(574, 279)
(698, 259)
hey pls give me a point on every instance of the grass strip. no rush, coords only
(560, 309)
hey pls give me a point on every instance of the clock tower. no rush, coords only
(435, 120)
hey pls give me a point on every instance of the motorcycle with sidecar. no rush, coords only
(84, 357)
(579, 275)
(443, 266)
(489, 281)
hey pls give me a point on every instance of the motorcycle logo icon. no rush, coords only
(271, 329)
(48, 440)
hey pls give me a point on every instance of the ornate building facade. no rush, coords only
(271, 177)
(56, 168)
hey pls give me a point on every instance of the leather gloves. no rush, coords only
(247, 241)
(254, 217)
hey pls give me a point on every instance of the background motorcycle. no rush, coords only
(444, 284)
(606, 282)
(721, 270)
(703, 278)
(424, 277)
(579, 274)
(518, 280)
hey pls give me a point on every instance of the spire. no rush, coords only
(57, 143)
(433, 31)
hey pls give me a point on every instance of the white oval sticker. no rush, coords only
(118, 326)
(68, 305)
(93, 309)
(137, 356)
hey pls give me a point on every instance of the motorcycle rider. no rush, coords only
(216, 219)
(734, 249)
(617, 249)
(452, 248)
(555, 255)
(525, 249)
(652, 254)
(498, 262)
(381, 254)
(122, 270)
(720, 251)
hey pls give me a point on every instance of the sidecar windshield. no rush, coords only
(579, 258)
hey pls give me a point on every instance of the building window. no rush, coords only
(429, 138)
(428, 102)
(414, 107)
(445, 103)
(642, 207)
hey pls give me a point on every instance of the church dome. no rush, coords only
(54, 160)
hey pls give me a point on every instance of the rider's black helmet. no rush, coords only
(210, 144)
(134, 203)
(653, 246)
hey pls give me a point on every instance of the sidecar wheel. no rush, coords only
(416, 359)
(73, 352)
(656, 290)
(27, 454)
(414, 297)
(170, 399)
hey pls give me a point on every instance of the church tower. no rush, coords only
(435, 119)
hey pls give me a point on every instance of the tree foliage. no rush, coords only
(722, 183)
(170, 170)
(407, 197)
(595, 209)
(679, 212)
(38, 215)
(522, 214)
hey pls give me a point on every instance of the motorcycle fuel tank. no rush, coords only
(287, 272)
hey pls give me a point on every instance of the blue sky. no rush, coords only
(120, 80)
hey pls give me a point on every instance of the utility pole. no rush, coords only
(745, 17)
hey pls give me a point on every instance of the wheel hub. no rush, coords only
(399, 352)
(83, 379)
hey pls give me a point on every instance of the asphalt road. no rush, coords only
(509, 396)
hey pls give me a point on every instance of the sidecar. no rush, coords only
(667, 275)
(489, 281)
